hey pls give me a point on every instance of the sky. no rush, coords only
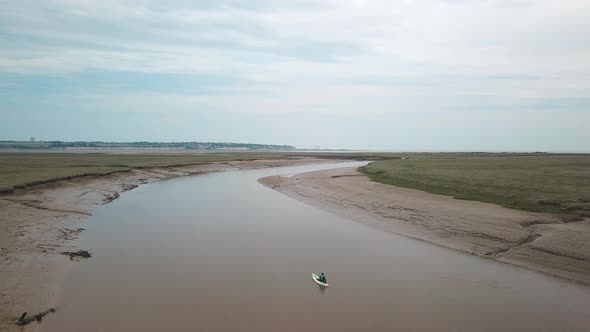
(429, 75)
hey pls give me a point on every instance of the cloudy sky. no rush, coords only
(510, 75)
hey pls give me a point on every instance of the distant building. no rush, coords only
(32, 139)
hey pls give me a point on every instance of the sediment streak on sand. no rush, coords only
(39, 223)
(541, 242)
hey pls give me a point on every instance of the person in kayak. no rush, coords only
(322, 278)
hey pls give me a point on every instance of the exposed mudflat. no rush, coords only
(538, 241)
(38, 224)
(221, 252)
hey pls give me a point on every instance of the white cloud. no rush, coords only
(345, 58)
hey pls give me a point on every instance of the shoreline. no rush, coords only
(537, 241)
(39, 222)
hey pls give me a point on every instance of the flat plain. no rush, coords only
(540, 183)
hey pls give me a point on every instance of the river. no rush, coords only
(221, 252)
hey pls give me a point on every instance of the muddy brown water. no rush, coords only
(221, 252)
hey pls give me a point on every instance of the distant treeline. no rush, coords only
(143, 145)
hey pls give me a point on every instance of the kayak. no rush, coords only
(316, 277)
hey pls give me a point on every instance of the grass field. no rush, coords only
(18, 169)
(543, 183)
(534, 182)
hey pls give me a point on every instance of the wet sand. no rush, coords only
(541, 242)
(37, 224)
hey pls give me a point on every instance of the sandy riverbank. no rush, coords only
(537, 241)
(38, 224)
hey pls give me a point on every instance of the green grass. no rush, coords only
(542, 183)
(21, 169)
(535, 182)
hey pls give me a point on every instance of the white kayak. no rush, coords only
(316, 278)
